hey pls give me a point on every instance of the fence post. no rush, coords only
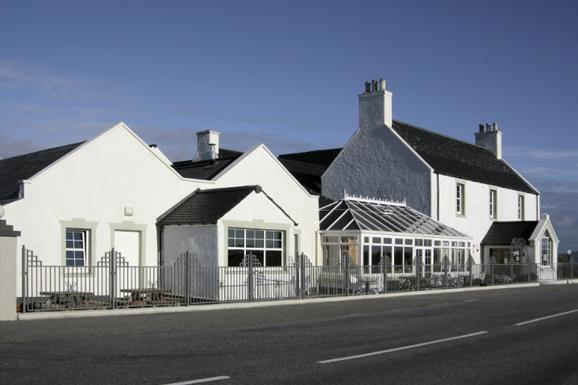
(346, 257)
(571, 267)
(384, 273)
(188, 277)
(471, 265)
(302, 274)
(417, 272)
(250, 279)
(24, 278)
(112, 278)
(297, 265)
(492, 268)
(446, 262)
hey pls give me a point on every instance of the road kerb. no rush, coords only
(248, 305)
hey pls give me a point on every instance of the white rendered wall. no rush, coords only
(260, 167)
(375, 163)
(476, 220)
(90, 187)
(8, 255)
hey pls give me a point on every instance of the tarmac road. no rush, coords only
(447, 338)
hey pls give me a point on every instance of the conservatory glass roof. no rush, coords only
(374, 215)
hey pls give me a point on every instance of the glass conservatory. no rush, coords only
(374, 234)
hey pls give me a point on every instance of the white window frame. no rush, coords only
(493, 203)
(521, 207)
(246, 250)
(70, 245)
(460, 199)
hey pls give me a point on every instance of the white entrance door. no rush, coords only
(127, 243)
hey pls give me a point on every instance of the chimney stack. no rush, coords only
(207, 145)
(490, 137)
(375, 105)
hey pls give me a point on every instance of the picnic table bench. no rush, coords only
(67, 298)
(146, 296)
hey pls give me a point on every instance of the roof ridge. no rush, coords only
(232, 188)
(439, 134)
(199, 162)
(310, 151)
(44, 150)
(497, 222)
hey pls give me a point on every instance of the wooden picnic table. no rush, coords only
(146, 295)
(67, 298)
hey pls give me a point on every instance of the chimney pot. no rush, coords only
(490, 137)
(375, 105)
(367, 87)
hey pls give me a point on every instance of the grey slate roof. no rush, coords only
(445, 155)
(502, 233)
(208, 206)
(460, 159)
(307, 167)
(308, 174)
(206, 169)
(377, 216)
(319, 157)
(17, 168)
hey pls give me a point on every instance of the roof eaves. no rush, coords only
(278, 206)
(536, 191)
(407, 145)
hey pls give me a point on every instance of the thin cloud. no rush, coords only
(541, 154)
(563, 210)
(553, 154)
(180, 143)
(15, 75)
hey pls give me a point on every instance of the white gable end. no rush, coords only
(112, 182)
(382, 166)
(260, 167)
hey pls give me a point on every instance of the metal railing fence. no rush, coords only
(567, 270)
(112, 283)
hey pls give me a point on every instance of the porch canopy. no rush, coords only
(521, 242)
(372, 232)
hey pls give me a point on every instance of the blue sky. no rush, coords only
(288, 74)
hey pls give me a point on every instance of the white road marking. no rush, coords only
(347, 316)
(470, 300)
(400, 348)
(201, 380)
(546, 317)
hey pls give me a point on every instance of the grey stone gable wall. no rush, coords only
(376, 163)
